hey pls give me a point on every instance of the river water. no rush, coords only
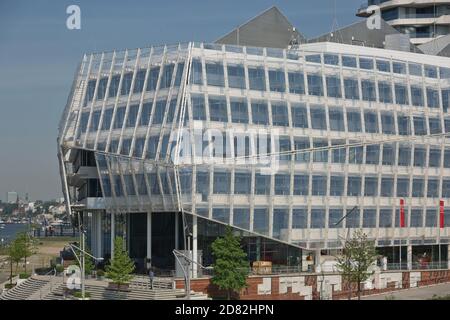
(9, 230)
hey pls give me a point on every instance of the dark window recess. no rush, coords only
(84, 159)
(91, 189)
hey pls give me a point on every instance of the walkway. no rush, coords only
(421, 293)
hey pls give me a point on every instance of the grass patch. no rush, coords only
(24, 275)
(436, 297)
(78, 294)
(10, 285)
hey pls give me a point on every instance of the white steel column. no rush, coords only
(448, 256)
(409, 257)
(149, 236)
(113, 231)
(98, 247)
(194, 246)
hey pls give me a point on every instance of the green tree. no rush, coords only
(88, 262)
(230, 263)
(121, 268)
(28, 245)
(358, 255)
(15, 254)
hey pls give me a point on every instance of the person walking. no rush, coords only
(151, 274)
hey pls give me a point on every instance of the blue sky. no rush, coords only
(39, 55)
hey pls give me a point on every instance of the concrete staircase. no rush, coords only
(28, 289)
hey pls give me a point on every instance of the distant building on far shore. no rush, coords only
(11, 197)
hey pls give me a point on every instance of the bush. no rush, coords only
(24, 275)
(100, 273)
(59, 268)
(10, 285)
(77, 294)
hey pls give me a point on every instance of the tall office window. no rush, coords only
(239, 111)
(433, 188)
(389, 154)
(351, 89)
(261, 221)
(214, 74)
(434, 160)
(319, 185)
(317, 218)
(302, 144)
(371, 186)
(418, 187)
(242, 183)
(385, 218)
(385, 92)
(259, 112)
(262, 184)
(218, 109)
(373, 154)
(277, 81)
(404, 125)
(371, 122)
(354, 186)
(334, 86)
(416, 218)
(301, 185)
(299, 115)
(196, 72)
(280, 114)
(337, 186)
(435, 125)
(236, 76)
(321, 155)
(126, 83)
(296, 83)
(368, 90)
(315, 85)
(282, 184)
(354, 121)
(334, 218)
(417, 96)
(241, 218)
(336, 118)
(388, 122)
(402, 187)
(404, 155)
(387, 187)
(198, 107)
(318, 117)
(280, 222)
(221, 182)
(299, 218)
(256, 78)
(401, 94)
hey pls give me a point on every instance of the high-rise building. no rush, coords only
(11, 197)
(294, 147)
(423, 20)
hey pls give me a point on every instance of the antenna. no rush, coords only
(335, 33)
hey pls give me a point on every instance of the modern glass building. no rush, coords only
(293, 148)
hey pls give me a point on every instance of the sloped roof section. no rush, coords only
(359, 34)
(438, 47)
(269, 29)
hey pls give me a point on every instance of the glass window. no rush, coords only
(368, 90)
(179, 75)
(385, 218)
(236, 76)
(446, 188)
(435, 125)
(336, 186)
(351, 89)
(160, 109)
(84, 121)
(152, 147)
(126, 83)
(335, 218)
(257, 79)
(354, 186)
(339, 154)
(366, 63)
(196, 72)
(320, 156)
(315, 85)
(417, 96)
(95, 120)
(120, 116)
(239, 112)
(331, 59)
(315, 58)
(334, 86)
(348, 61)
(403, 187)
(214, 74)
(355, 155)
(404, 155)
(432, 98)
(418, 187)
(126, 146)
(385, 92)
(261, 220)
(336, 119)
(299, 115)
(277, 81)
(262, 184)
(242, 183)
(431, 71)
(371, 122)
(203, 184)
(301, 185)
(302, 144)
(431, 218)
(221, 214)
(139, 81)
(415, 69)
(401, 94)
(299, 218)
(354, 121)
(446, 158)
(166, 77)
(280, 222)
(433, 188)
(387, 187)
(447, 125)
(114, 86)
(132, 116)
(101, 90)
(145, 114)
(139, 147)
(221, 182)
(107, 118)
(420, 126)
(241, 218)
(319, 185)
(416, 218)
(435, 158)
(296, 83)
(317, 218)
(282, 184)
(389, 154)
(198, 107)
(280, 114)
(318, 117)
(373, 154)
(383, 66)
(387, 123)
(218, 109)
(369, 218)
(352, 219)
(118, 188)
(420, 156)
(445, 99)
(260, 113)
(399, 67)
(404, 125)
(371, 186)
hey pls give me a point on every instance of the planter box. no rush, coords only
(123, 287)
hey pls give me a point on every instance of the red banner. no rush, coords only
(402, 213)
(441, 214)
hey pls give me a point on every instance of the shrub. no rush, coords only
(77, 294)
(10, 285)
(24, 275)
(100, 273)
(59, 268)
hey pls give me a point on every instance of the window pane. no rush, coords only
(315, 85)
(354, 121)
(351, 89)
(214, 74)
(371, 122)
(296, 83)
(198, 107)
(387, 122)
(319, 185)
(299, 116)
(277, 81)
(280, 114)
(317, 218)
(259, 112)
(336, 186)
(236, 76)
(301, 185)
(239, 112)
(334, 86)
(218, 109)
(318, 118)
(299, 218)
(257, 79)
(261, 221)
(354, 186)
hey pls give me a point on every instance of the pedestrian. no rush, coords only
(151, 274)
